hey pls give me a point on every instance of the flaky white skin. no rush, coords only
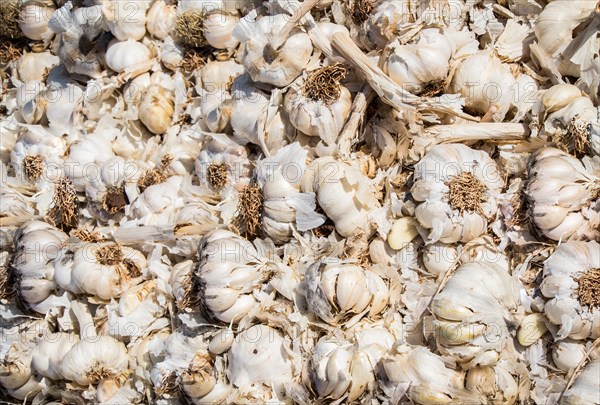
(586, 388)
(434, 211)
(570, 261)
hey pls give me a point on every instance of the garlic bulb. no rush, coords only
(36, 153)
(199, 381)
(204, 22)
(33, 66)
(260, 360)
(485, 82)
(159, 203)
(346, 368)
(218, 30)
(31, 102)
(562, 195)
(568, 353)
(48, 355)
(471, 313)
(85, 158)
(129, 58)
(429, 380)
(217, 78)
(229, 270)
(105, 270)
(278, 67)
(157, 108)
(93, 359)
(570, 282)
(318, 105)
(343, 192)
(497, 383)
(337, 291)
(439, 258)
(457, 189)
(37, 248)
(280, 177)
(585, 388)
(34, 19)
(126, 19)
(160, 19)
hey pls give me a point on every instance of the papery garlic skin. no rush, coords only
(338, 291)
(315, 117)
(230, 269)
(568, 353)
(471, 313)
(159, 203)
(343, 192)
(261, 358)
(585, 389)
(284, 65)
(561, 194)
(445, 167)
(92, 356)
(566, 306)
(431, 382)
(30, 101)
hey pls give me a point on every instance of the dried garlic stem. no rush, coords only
(350, 131)
(33, 166)
(489, 131)
(291, 23)
(64, 213)
(17, 220)
(249, 209)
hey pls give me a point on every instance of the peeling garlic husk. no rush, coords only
(444, 170)
(562, 195)
(568, 285)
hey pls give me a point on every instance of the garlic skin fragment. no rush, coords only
(264, 64)
(337, 291)
(229, 270)
(568, 285)
(93, 359)
(562, 195)
(431, 382)
(260, 360)
(472, 312)
(586, 387)
(343, 192)
(462, 216)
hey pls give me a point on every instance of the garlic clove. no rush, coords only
(403, 231)
(531, 329)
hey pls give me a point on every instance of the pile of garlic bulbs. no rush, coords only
(300, 201)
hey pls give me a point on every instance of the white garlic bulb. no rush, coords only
(260, 359)
(30, 102)
(218, 30)
(457, 189)
(431, 382)
(498, 383)
(37, 248)
(318, 105)
(341, 368)
(126, 19)
(570, 283)
(568, 353)
(159, 203)
(485, 82)
(278, 67)
(156, 108)
(160, 19)
(86, 155)
(199, 381)
(33, 66)
(471, 313)
(48, 355)
(34, 19)
(585, 388)
(343, 192)
(36, 153)
(230, 269)
(129, 58)
(562, 195)
(439, 258)
(338, 291)
(105, 270)
(93, 359)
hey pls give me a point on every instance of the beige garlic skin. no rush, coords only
(229, 270)
(431, 381)
(570, 304)
(31, 102)
(472, 310)
(450, 217)
(262, 62)
(35, 16)
(340, 367)
(317, 117)
(562, 195)
(338, 291)
(156, 108)
(343, 192)
(585, 388)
